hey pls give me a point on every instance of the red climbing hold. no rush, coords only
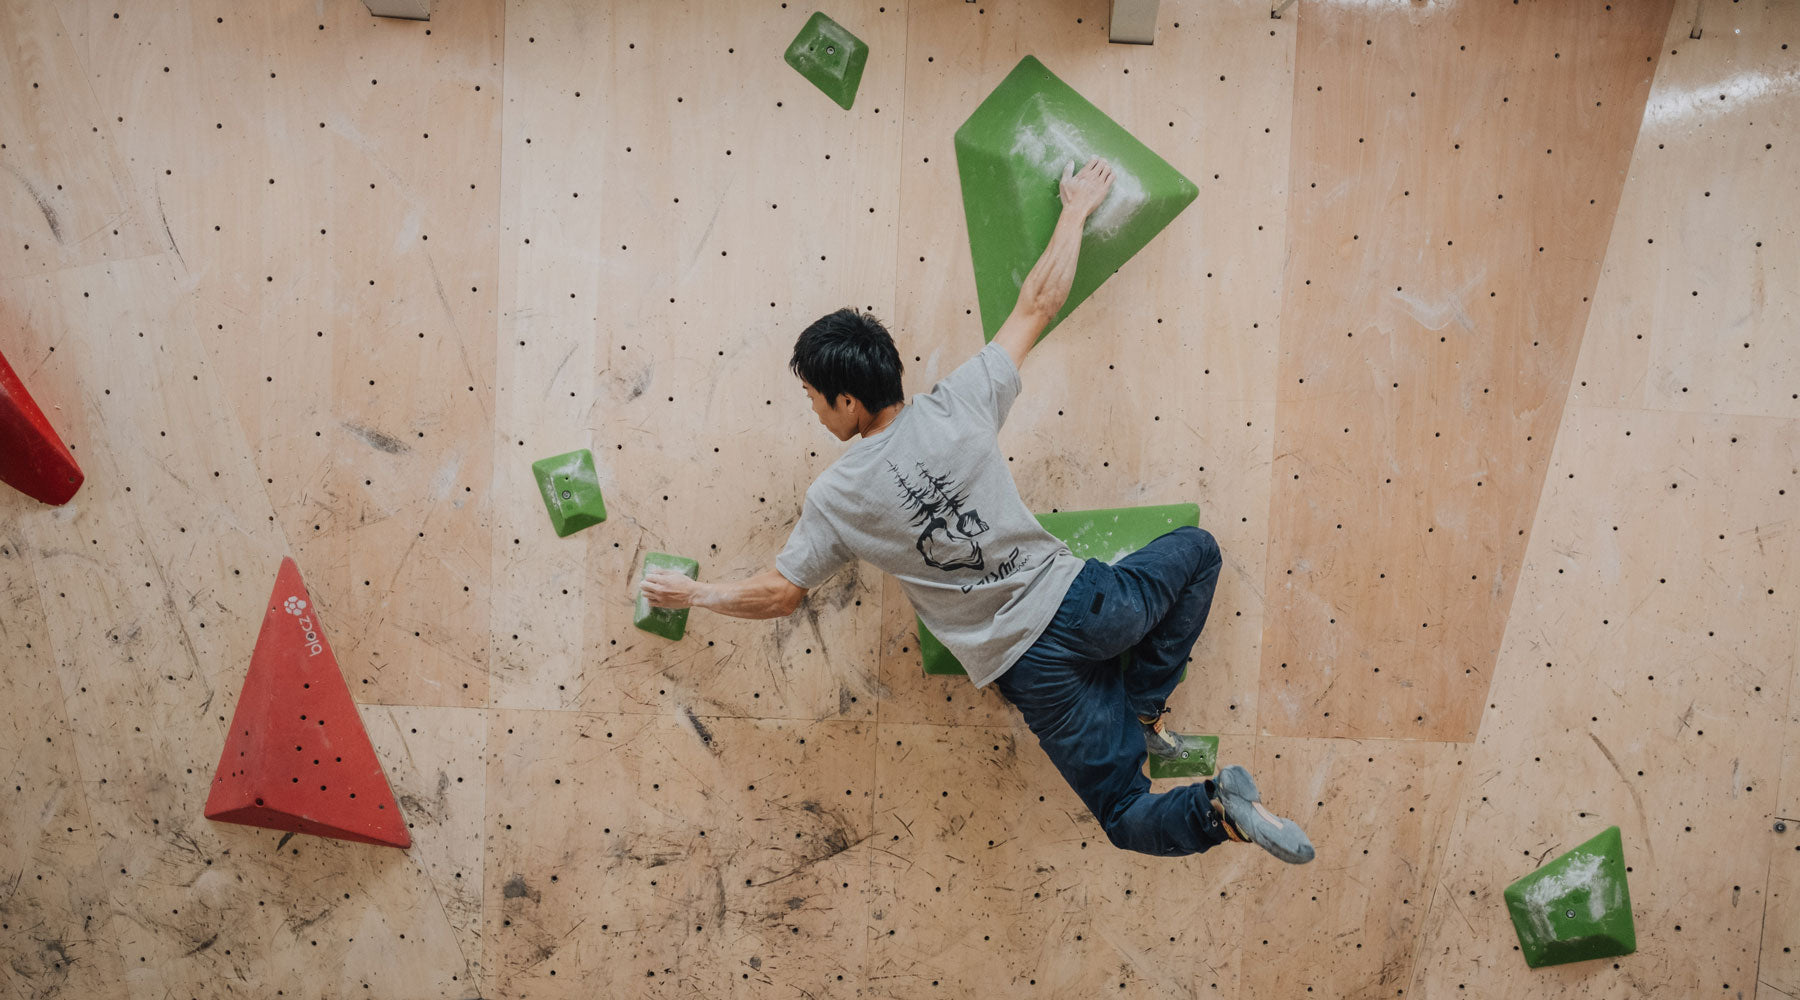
(33, 459)
(297, 757)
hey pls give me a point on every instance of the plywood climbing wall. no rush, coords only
(1474, 351)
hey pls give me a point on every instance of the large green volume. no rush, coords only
(1010, 155)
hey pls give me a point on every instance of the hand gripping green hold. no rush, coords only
(1577, 907)
(1010, 156)
(826, 53)
(670, 623)
(571, 491)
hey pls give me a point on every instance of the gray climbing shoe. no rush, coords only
(1242, 805)
(1162, 743)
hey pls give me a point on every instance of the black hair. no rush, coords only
(850, 352)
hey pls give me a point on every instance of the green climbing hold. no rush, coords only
(670, 623)
(1010, 155)
(571, 491)
(1577, 907)
(1198, 763)
(1107, 535)
(826, 53)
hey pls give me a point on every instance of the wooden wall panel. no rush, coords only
(1702, 305)
(545, 354)
(47, 832)
(788, 806)
(991, 878)
(1454, 178)
(65, 200)
(331, 181)
(1644, 683)
(657, 324)
(1378, 812)
(151, 645)
(636, 855)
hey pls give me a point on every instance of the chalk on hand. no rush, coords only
(670, 623)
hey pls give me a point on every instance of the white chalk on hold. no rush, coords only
(1049, 144)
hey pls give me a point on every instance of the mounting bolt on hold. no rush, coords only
(1780, 827)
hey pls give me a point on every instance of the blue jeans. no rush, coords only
(1084, 708)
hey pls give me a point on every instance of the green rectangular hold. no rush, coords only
(826, 53)
(1010, 155)
(1199, 762)
(571, 490)
(1577, 907)
(1107, 535)
(670, 623)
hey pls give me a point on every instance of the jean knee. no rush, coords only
(1155, 843)
(1114, 828)
(1205, 545)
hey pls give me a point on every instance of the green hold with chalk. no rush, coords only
(670, 623)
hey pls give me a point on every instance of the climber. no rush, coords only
(926, 496)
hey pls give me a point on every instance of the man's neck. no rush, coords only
(883, 420)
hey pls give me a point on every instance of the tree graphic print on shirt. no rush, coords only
(936, 502)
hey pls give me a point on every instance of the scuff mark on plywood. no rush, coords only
(517, 888)
(1438, 313)
(377, 440)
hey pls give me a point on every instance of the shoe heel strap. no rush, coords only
(1231, 830)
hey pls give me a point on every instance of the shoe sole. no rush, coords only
(1284, 838)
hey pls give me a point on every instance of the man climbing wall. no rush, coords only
(926, 496)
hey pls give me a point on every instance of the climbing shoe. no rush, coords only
(1160, 742)
(1244, 814)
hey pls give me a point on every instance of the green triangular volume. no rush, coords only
(1010, 155)
(826, 53)
(1577, 907)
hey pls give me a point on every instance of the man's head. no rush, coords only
(850, 368)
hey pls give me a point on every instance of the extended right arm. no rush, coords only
(1046, 288)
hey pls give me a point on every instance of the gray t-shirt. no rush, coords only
(930, 501)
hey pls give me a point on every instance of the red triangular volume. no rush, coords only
(33, 459)
(297, 757)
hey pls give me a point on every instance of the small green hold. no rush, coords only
(571, 490)
(1199, 763)
(826, 53)
(1577, 907)
(670, 623)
